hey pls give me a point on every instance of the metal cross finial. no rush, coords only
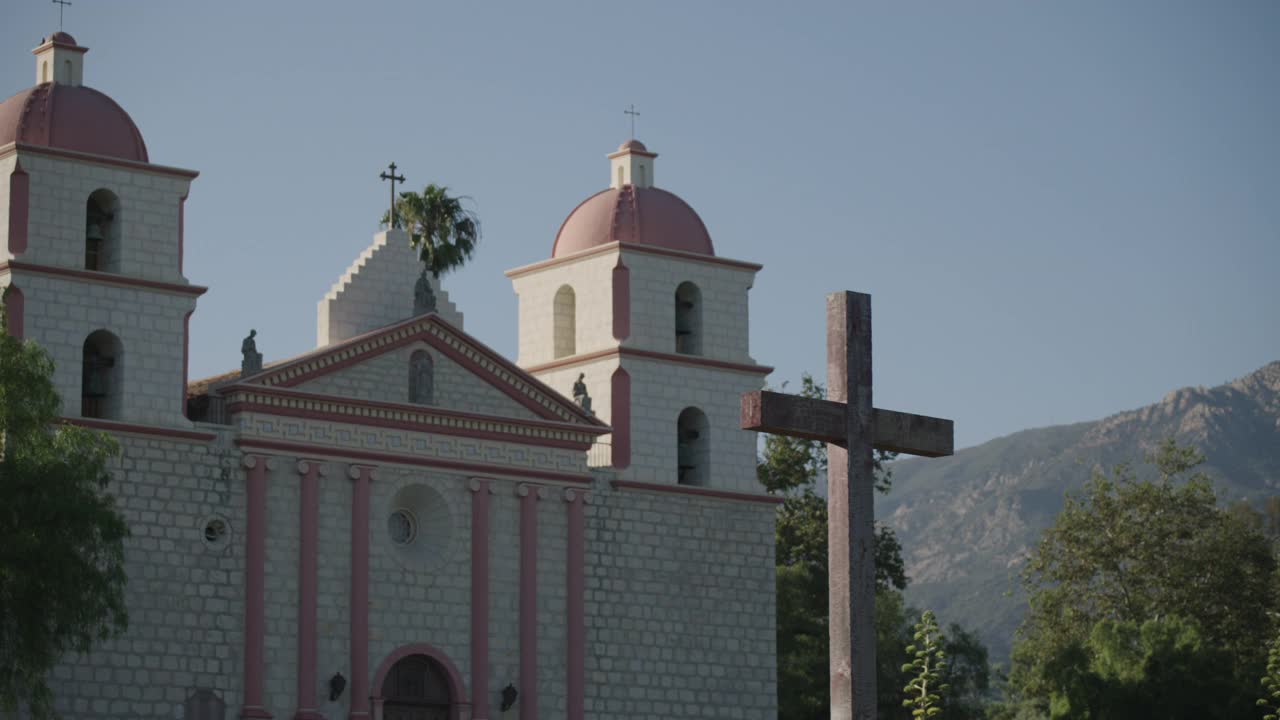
(394, 179)
(634, 114)
(60, 4)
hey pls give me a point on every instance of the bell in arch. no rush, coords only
(94, 231)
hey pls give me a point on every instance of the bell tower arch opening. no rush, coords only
(102, 373)
(688, 319)
(693, 447)
(565, 322)
(102, 231)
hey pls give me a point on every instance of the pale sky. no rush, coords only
(1061, 210)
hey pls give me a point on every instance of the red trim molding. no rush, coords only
(103, 278)
(620, 410)
(10, 148)
(255, 573)
(528, 680)
(361, 476)
(306, 449)
(651, 355)
(632, 247)
(575, 605)
(308, 584)
(19, 209)
(621, 301)
(129, 429)
(408, 420)
(483, 361)
(14, 310)
(182, 224)
(703, 492)
(481, 489)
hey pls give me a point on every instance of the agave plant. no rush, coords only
(444, 233)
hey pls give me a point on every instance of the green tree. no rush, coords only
(62, 573)
(1270, 701)
(923, 691)
(1154, 567)
(444, 233)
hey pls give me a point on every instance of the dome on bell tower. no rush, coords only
(633, 211)
(60, 112)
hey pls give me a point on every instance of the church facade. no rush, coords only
(402, 523)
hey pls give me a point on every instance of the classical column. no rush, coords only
(255, 566)
(309, 539)
(361, 475)
(575, 604)
(529, 495)
(480, 491)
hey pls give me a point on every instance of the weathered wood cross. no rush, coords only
(851, 427)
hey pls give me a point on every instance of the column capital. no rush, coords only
(356, 472)
(307, 465)
(572, 495)
(252, 461)
(475, 485)
(525, 489)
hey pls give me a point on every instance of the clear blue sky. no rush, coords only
(1061, 211)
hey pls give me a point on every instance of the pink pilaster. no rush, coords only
(182, 223)
(309, 539)
(620, 389)
(529, 495)
(361, 475)
(255, 584)
(186, 357)
(14, 311)
(575, 605)
(480, 491)
(19, 209)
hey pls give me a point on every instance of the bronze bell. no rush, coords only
(94, 232)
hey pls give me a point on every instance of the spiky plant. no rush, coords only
(924, 691)
(444, 233)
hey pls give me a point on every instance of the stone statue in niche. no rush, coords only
(580, 395)
(251, 359)
(421, 382)
(424, 299)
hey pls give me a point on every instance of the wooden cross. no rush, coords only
(851, 427)
(61, 4)
(634, 114)
(394, 179)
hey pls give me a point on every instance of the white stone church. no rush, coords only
(402, 523)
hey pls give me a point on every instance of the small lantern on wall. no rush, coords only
(509, 695)
(337, 684)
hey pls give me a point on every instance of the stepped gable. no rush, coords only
(377, 291)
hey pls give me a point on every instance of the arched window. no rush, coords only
(620, 183)
(641, 183)
(44, 71)
(693, 447)
(421, 378)
(66, 72)
(102, 232)
(565, 322)
(102, 367)
(688, 319)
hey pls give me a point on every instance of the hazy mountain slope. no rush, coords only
(967, 521)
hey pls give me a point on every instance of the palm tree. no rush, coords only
(444, 233)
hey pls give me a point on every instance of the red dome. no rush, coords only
(644, 216)
(71, 118)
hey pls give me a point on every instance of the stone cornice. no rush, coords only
(633, 247)
(244, 398)
(103, 278)
(13, 147)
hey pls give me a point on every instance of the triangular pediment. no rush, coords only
(469, 378)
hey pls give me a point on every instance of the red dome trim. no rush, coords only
(71, 118)
(640, 216)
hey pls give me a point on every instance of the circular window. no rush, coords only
(420, 527)
(215, 530)
(402, 527)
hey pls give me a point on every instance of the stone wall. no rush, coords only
(680, 607)
(148, 215)
(61, 313)
(184, 595)
(591, 280)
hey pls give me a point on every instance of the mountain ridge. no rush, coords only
(967, 522)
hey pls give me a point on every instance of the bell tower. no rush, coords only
(91, 247)
(635, 302)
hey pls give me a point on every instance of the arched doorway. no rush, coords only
(417, 688)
